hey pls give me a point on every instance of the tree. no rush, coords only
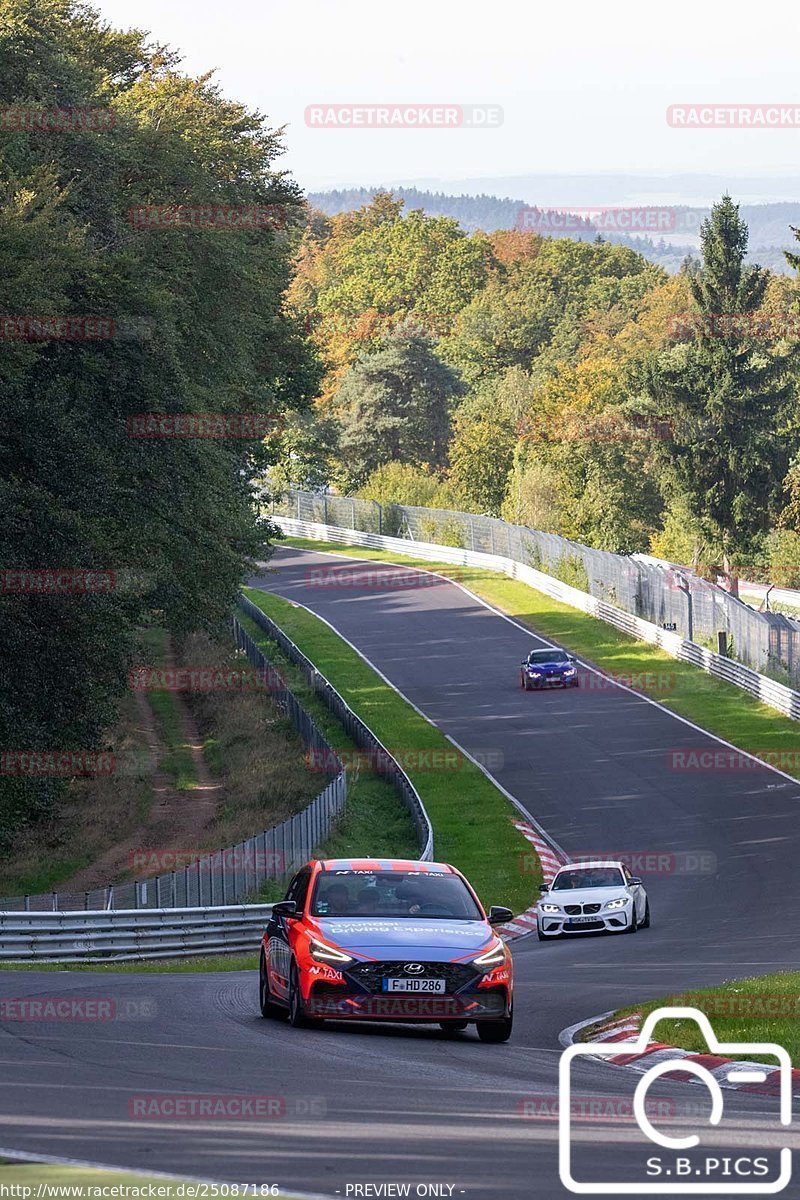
(723, 391)
(378, 269)
(197, 324)
(395, 407)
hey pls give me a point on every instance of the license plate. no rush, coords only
(584, 920)
(414, 985)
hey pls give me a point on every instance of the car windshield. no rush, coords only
(588, 877)
(393, 894)
(548, 656)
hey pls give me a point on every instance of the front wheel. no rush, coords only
(265, 999)
(297, 1015)
(634, 925)
(646, 919)
(495, 1031)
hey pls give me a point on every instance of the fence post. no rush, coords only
(353, 508)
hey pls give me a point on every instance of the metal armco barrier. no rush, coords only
(637, 584)
(125, 934)
(776, 695)
(381, 759)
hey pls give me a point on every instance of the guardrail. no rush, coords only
(776, 695)
(125, 934)
(381, 760)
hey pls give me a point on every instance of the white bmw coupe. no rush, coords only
(588, 897)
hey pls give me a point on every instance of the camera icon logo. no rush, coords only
(687, 1180)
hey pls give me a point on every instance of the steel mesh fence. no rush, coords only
(697, 609)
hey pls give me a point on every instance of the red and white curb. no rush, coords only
(527, 922)
(625, 1030)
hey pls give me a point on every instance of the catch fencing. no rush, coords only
(769, 691)
(238, 872)
(379, 757)
(675, 600)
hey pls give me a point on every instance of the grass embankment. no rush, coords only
(766, 1009)
(375, 821)
(93, 814)
(178, 762)
(208, 962)
(472, 820)
(687, 691)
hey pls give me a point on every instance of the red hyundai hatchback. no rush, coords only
(386, 940)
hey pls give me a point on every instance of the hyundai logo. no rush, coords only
(413, 968)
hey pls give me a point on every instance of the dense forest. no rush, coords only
(569, 385)
(107, 317)
(769, 224)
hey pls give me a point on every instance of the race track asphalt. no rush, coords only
(376, 1105)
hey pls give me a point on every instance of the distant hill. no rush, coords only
(770, 224)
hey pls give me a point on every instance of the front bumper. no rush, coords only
(357, 992)
(614, 921)
(549, 681)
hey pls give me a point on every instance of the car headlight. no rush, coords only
(495, 956)
(532, 671)
(550, 908)
(322, 952)
(569, 670)
(620, 902)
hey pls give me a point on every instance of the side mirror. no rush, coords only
(635, 879)
(544, 888)
(284, 908)
(572, 658)
(498, 915)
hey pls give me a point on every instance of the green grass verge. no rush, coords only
(375, 821)
(208, 962)
(472, 820)
(47, 1175)
(766, 1009)
(177, 762)
(711, 703)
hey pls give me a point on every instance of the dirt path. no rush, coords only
(177, 819)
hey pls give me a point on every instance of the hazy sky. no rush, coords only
(584, 86)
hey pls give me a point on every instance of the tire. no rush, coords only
(526, 683)
(297, 1016)
(265, 1001)
(646, 919)
(541, 936)
(495, 1031)
(634, 925)
(450, 1028)
(522, 680)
